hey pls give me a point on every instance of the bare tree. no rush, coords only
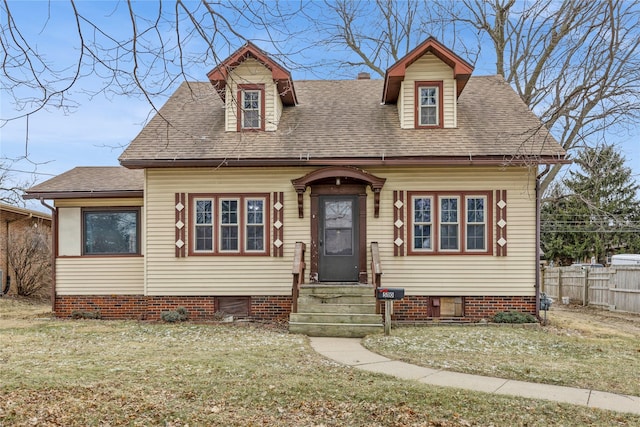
(11, 188)
(29, 258)
(575, 63)
(157, 45)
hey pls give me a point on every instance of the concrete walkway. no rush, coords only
(350, 352)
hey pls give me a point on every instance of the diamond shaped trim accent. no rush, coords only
(502, 204)
(179, 225)
(398, 242)
(399, 223)
(277, 224)
(278, 206)
(502, 241)
(278, 243)
(179, 244)
(179, 207)
(502, 223)
(398, 204)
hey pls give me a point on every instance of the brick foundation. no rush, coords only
(420, 308)
(272, 308)
(265, 308)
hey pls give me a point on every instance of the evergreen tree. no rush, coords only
(596, 213)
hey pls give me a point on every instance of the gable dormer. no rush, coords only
(254, 88)
(425, 84)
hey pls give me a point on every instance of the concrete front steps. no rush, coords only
(336, 310)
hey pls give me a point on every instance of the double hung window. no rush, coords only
(251, 108)
(449, 223)
(224, 224)
(429, 113)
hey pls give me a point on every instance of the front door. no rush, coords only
(338, 239)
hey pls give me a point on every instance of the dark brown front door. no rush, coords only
(338, 238)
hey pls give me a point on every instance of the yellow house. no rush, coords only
(252, 194)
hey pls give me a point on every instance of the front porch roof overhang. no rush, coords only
(339, 172)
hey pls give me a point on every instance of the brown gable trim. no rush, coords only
(360, 162)
(395, 74)
(337, 172)
(218, 76)
(54, 195)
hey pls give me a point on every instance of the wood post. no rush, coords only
(388, 308)
(585, 294)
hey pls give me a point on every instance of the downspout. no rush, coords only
(54, 250)
(537, 256)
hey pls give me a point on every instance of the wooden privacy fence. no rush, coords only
(616, 288)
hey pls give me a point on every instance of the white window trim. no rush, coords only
(247, 224)
(237, 224)
(436, 107)
(244, 110)
(467, 223)
(413, 223)
(210, 225)
(441, 198)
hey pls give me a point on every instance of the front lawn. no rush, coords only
(585, 354)
(99, 373)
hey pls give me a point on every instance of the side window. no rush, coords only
(254, 235)
(476, 223)
(422, 223)
(204, 225)
(110, 232)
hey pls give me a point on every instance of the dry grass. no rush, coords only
(580, 348)
(99, 373)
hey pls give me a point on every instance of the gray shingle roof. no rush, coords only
(91, 182)
(341, 120)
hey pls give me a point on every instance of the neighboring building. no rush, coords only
(436, 166)
(14, 221)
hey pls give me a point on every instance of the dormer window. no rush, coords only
(429, 111)
(251, 107)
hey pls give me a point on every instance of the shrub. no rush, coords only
(513, 317)
(180, 314)
(79, 314)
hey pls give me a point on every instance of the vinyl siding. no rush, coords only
(219, 274)
(420, 275)
(460, 275)
(252, 72)
(427, 68)
(100, 276)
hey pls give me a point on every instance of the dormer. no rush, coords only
(254, 88)
(425, 84)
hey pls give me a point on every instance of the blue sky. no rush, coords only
(97, 130)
